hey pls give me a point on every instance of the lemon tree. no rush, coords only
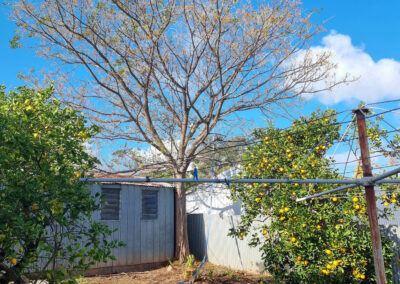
(323, 240)
(45, 211)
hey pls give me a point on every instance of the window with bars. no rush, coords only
(149, 204)
(110, 209)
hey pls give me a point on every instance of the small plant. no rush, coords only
(190, 261)
(229, 273)
(211, 274)
(190, 269)
(170, 262)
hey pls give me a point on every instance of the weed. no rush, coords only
(190, 261)
(211, 274)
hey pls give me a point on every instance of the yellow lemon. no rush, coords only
(305, 262)
(30, 108)
(328, 251)
(12, 260)
(334, 199)
(386, 204)
(355, 199)
(282, 218)
(293, 240)
(281, 210)
(287, 209)
(303, 225)
(335, 263)
(36, 135)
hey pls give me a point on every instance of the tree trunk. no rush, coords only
(181, 234)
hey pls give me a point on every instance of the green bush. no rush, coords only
(45, 211)
(323, 240)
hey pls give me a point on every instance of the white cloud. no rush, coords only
(378, 80)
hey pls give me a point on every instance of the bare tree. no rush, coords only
(166, 73)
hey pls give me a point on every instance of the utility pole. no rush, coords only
(370, 196)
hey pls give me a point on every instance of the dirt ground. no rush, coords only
(176, 272)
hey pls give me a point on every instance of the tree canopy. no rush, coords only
(168, 73)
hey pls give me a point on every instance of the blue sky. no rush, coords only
(364, 35)
(372, 27)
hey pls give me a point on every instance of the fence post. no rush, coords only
(370, 196)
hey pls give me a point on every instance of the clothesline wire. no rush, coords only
(162, 163)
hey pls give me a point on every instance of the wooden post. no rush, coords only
(370, 195)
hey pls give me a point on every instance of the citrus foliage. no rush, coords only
(45, 211)
(323, 240)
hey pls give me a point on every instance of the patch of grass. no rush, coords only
(82, 280)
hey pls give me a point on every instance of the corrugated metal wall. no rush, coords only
(236, 254)
(222, 249)
(148, 241)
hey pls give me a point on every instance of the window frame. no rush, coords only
(117, 212)
(149, 210)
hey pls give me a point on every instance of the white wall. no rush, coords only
(198, 198)
(222, 249)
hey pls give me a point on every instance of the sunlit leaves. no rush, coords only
(42, 202)
(323, 240)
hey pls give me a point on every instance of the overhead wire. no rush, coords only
(254, 141)
(383, 102)
(251, 142)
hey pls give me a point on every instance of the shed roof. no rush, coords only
(123, 176)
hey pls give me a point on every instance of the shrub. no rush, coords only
(45, 211)
(323, 240)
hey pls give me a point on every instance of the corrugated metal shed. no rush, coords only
(144, 219)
